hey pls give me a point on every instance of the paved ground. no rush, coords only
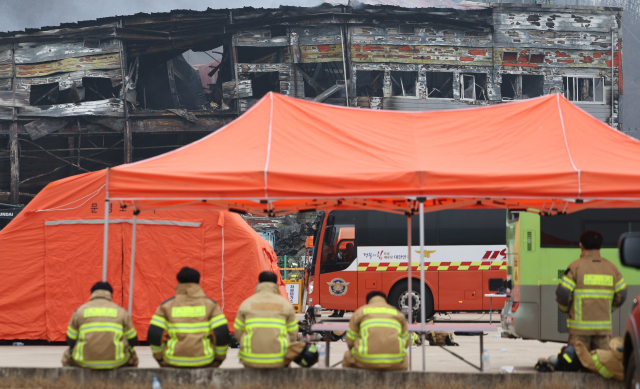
(522, 354)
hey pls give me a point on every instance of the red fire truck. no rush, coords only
(356, 252)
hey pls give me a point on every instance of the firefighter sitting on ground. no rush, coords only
(100, 334)
(377, 336)
(267, 329)
(197, 328)
(590, 290)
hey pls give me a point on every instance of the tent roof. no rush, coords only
(287, 154)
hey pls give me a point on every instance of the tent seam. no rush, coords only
(266, 165)
(566, 143)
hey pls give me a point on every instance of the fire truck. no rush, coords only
(360, 251)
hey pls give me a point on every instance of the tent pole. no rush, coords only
(105, 249)
(133, 259)
(409, 283)
(422, 291)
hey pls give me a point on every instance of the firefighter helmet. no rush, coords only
(568, 359)
(308, 357)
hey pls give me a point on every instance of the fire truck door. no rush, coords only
(338, 284)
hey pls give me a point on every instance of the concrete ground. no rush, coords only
(521, 354)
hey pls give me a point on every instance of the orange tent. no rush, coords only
(287, 154)
(52, 255)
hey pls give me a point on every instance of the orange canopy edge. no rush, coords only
(285, 155)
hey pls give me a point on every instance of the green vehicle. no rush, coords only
(539, 250)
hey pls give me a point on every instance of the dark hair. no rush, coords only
(374, 294)
(102, 286)
(187, 274)
(267, 276)
(591, 240)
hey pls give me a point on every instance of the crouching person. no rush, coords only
(267, 329)
(197, 330)
(377, 336)
(100, 334)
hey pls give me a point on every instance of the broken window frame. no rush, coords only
(379, 78)
(462, 87)
(430, 88)
(573, 97)
(519, 86)
(394, 83)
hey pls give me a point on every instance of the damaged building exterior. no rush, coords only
(90, 95)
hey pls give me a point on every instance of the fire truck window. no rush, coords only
(454, 227)
(565, 230)
(339, 249)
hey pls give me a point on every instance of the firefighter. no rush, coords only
(198, 335)
(267, 329)
(590, 290)
(100, 334)
(377, 336)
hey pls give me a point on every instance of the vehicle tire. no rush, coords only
(399, 296)
(631, 374)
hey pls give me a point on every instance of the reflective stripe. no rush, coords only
(246, 354)
(568, 283)
(598, 280)
(351, 334)
(362, 352)
(591, 325)
(100, 312)
(388, 311)
(131, 333)
(71, 333)
(600, 367)
(160, 321)
(156, 349)
(197, 311)
(102, 364)
(221, 350)
(620, 285)
(414, 338)
(119, 354)
(379, 358)
(381, 322)
(217, 321)
(293, 326)
(238, 325)
(563, 308)
(189, 361)
(581, 294)
(567, 358)
(189, 328)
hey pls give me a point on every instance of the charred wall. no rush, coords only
(91, 95)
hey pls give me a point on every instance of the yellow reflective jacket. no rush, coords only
(101, 330)
(589, 291)
(265, 327)
(378, 336)
(197, 329)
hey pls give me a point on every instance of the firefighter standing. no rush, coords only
(590, 290)
(197, 328)
(100, 334)
(267, 329)
(377, 336)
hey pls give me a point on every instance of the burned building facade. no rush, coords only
(89, 95)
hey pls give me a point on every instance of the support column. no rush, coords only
(14, 196)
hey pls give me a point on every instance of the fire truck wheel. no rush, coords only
(399, 296)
